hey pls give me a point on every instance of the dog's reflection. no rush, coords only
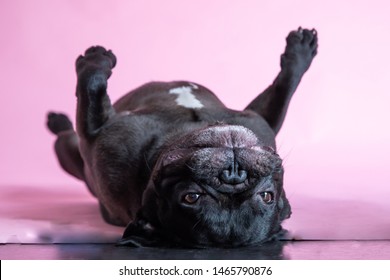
(268, 251)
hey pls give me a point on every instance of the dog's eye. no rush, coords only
(267, 197)
(191, 198)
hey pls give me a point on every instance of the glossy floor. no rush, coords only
(42, 223)
(302, 250)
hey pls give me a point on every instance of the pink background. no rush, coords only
(335, 140)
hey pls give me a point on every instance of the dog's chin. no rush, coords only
(208, 153)
(231, 136)
(216, 136)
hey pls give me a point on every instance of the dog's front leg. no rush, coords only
(272, 104)
(93, 104)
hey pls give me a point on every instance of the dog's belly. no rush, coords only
(184, 106)
(157, 95)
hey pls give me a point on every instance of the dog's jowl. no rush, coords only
(172, 163)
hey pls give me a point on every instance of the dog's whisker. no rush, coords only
(147, 163)
(196, 224)
(190, 167)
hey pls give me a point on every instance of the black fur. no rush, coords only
(189, 174)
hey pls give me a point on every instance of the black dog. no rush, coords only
(173, 163)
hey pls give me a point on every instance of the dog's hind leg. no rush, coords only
(66, 145)
(93, 104)
(272, 104)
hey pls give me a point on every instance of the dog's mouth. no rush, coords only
(229, 137)
(228, 158)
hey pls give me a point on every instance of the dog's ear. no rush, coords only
(284, 207)
(140, 233)
(145, 230)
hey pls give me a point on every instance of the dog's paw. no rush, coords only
(96, 57)
(93, 69)
(57, 122)
(301, 48)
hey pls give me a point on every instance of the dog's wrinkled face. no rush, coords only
(217, 187)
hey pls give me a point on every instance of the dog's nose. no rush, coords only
(234, 175)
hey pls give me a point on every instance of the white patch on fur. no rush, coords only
(185, 97)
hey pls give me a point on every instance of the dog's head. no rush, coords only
(219, 186)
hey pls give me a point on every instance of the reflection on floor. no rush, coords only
(302, 250)
(65, 224)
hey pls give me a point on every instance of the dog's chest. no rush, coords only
(186, 96)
